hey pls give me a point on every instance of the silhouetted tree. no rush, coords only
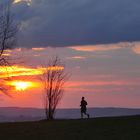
(53, 79)
(8, 31)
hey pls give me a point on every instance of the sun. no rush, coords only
(21, 85)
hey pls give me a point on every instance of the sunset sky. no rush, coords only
(97, 40)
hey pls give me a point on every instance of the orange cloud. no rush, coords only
(24, 71)
(91, 48)
(6, 54)
(75, 84)
(38, 49)
(136, 48)
(55, 68)
(18, 71)
(76, 57)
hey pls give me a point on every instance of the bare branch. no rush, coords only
(8, 31)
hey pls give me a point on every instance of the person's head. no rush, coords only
(83, 98)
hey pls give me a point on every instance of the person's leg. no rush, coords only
(87, 114)
(81, 115)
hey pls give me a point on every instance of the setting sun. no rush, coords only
(21, 85)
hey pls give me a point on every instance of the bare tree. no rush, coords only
(53, 79)
(8, 31)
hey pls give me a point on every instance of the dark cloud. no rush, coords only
(68, 22)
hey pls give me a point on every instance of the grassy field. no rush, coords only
(115, 128)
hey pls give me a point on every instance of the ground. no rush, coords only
(112, 128)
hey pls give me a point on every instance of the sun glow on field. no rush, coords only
(27, 1)
(21, 85)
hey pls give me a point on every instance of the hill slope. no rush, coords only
(115, 128)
